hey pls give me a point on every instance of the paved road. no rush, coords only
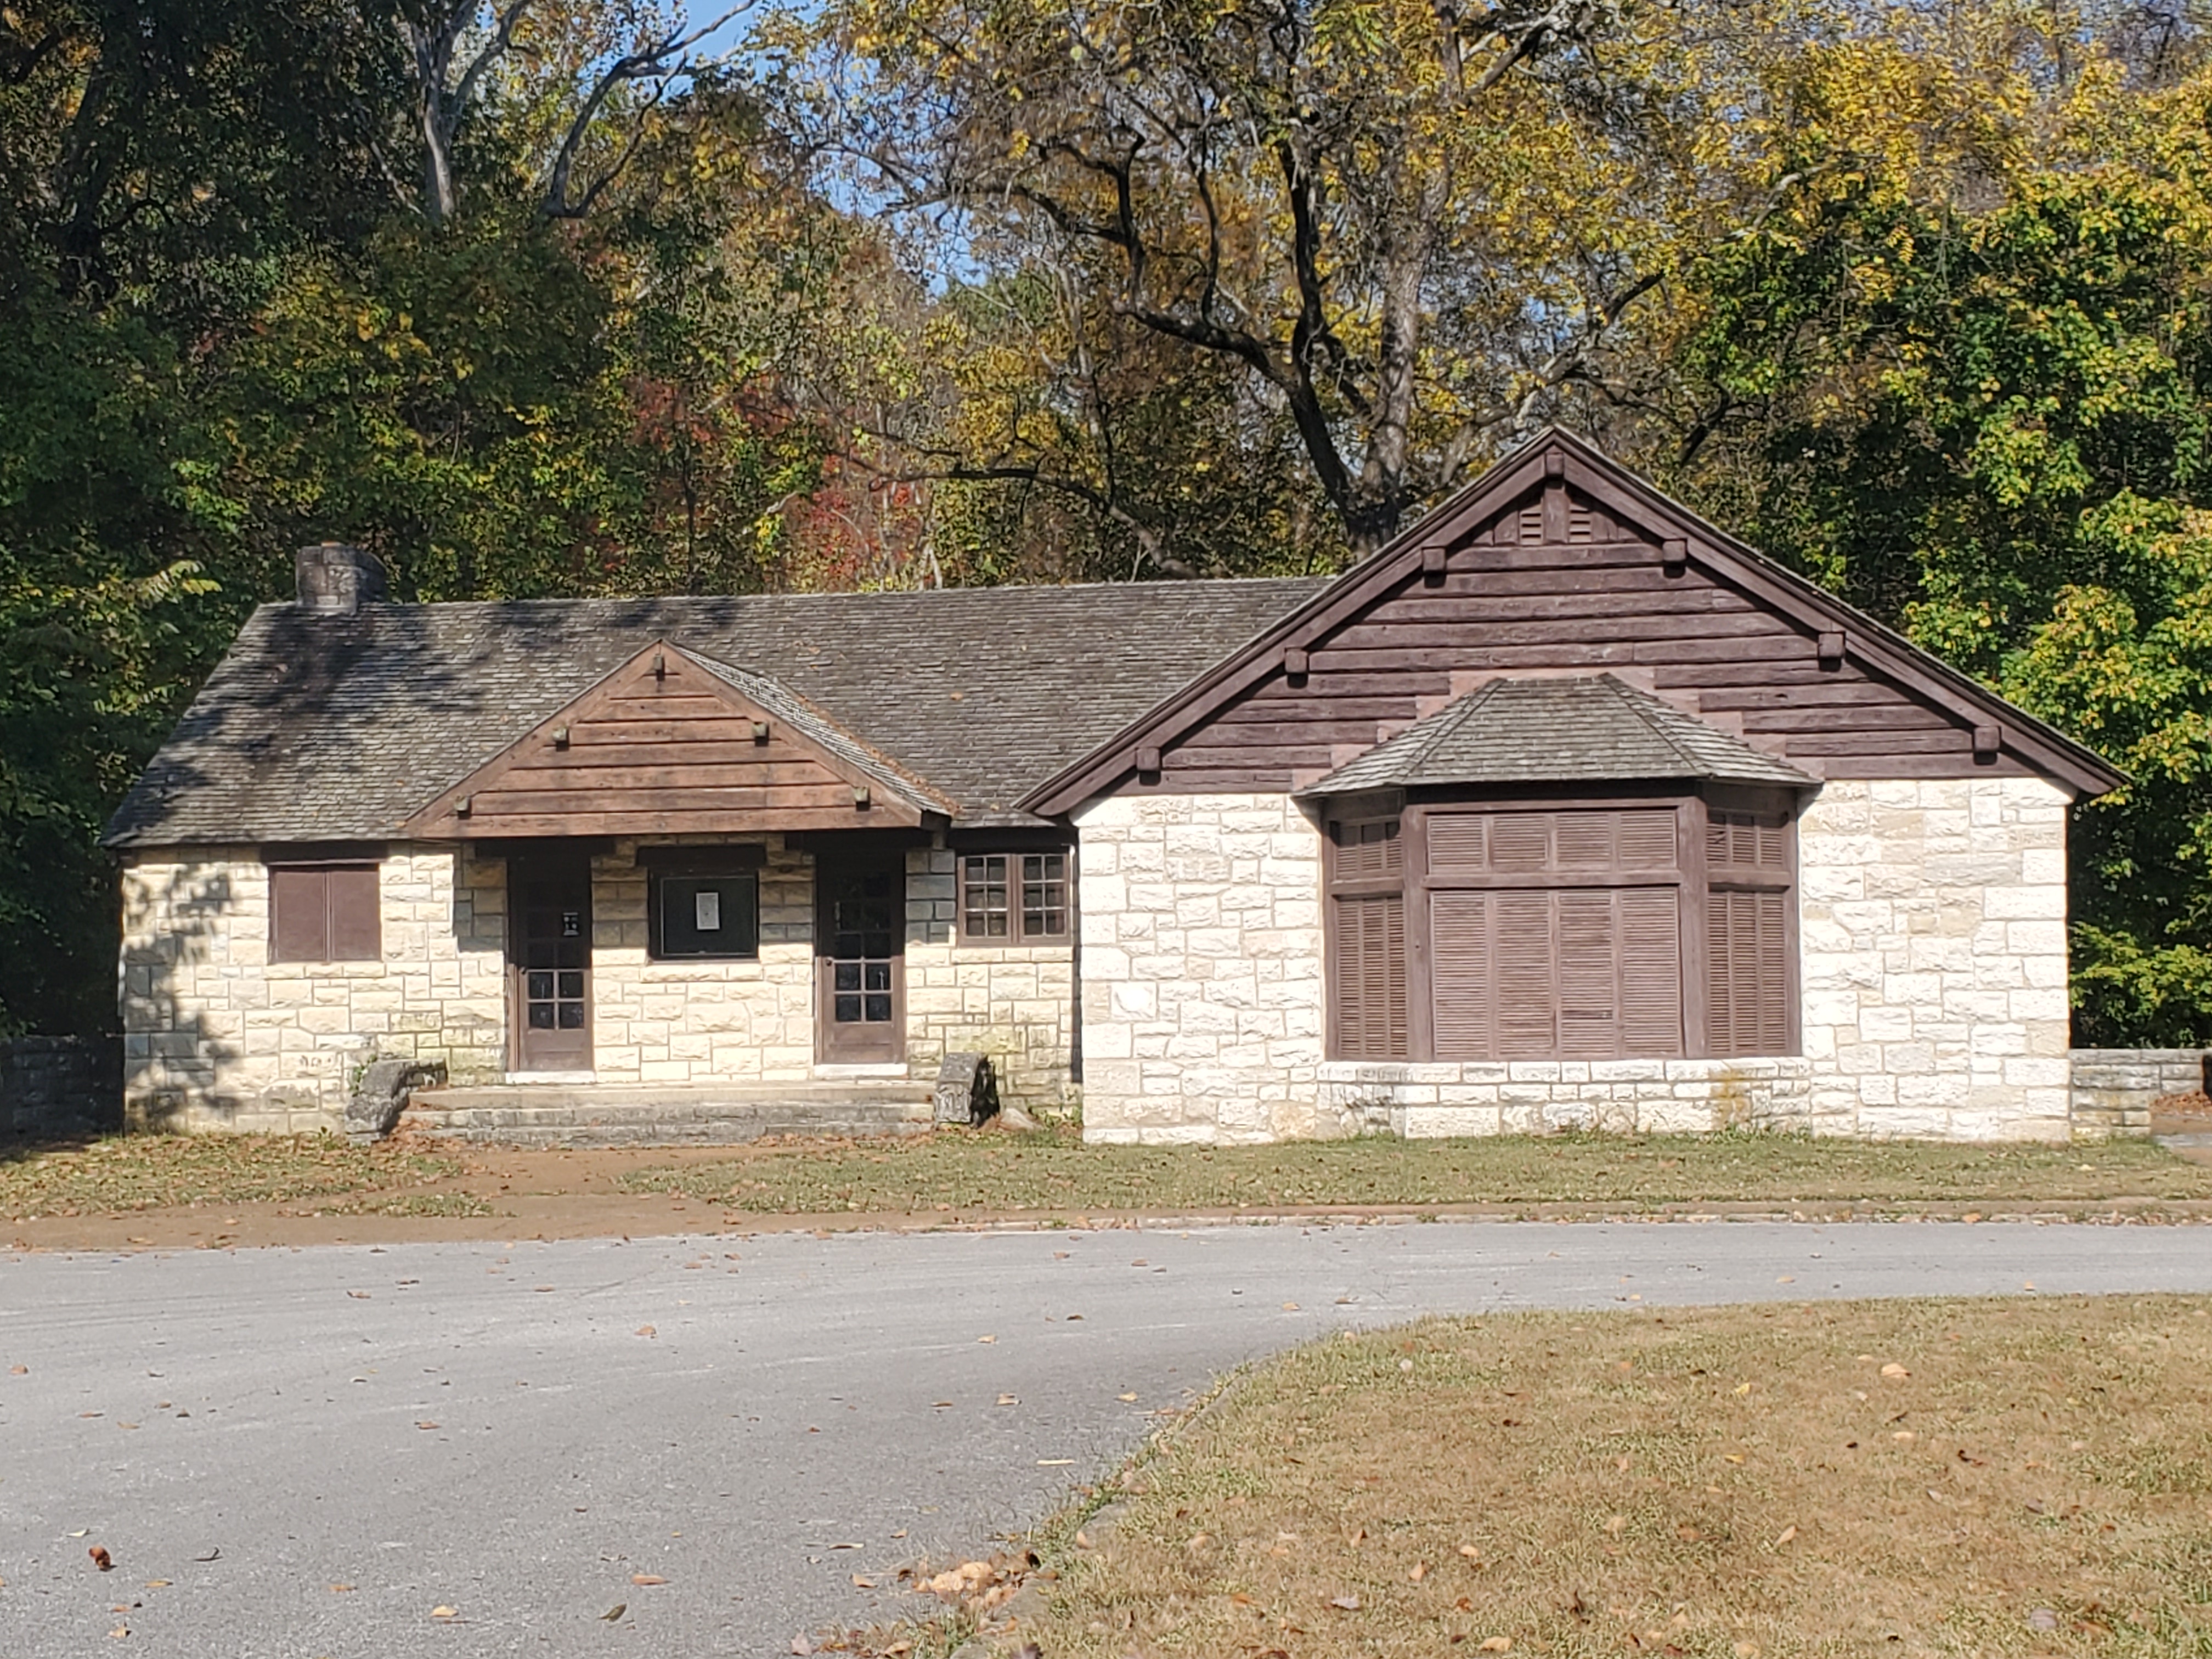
(484, 1427)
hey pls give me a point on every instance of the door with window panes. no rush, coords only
(549, 913)
(860, 962)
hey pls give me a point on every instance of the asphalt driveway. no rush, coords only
(307, 1453)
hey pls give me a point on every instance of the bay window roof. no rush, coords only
(1581, 728)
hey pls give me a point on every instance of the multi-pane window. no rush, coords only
(1013, 897)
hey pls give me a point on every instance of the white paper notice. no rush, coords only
(707, 906)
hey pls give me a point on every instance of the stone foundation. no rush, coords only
(1655, 1096)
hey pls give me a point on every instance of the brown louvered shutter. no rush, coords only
(1460, 992)
(299, 916)
(1747, 993)
(1526, 1019)
(1370, 976)
(356, 933)
(1588, 975)
(1651, 971)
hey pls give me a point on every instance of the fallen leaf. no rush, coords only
(1420, 1572)
(801, 1646)
(616, 1611)
(120, 1631)
(1053, 1462)
(1471, 1552)
(1242, 1600)
(100, 1558)
(1289, 1307)
(426, 1426)
(1008, 1399)
(157, 1583)
(340, 1590)
(80, 1532)
(19, 1371)
(1497, 1644)
(646, 1330)
(987, 1339)
(1349, 1603)
(1745, 1651)
(1903, 1434)
(1894, 1369)
(1733, 1457)
(1687, 1534)
(359, 1296)
(1463, 1606)
(1125, 1396)
(445, 1613)
(1786, 1535)
(1198, 1540)
(647, 1578)
(860, 1583)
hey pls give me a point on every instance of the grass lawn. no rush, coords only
(1993, 1477)
(968, 1172)
(1054, 1171)
(143, 1172)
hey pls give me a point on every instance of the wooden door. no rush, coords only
(860, 962)
(550, 907)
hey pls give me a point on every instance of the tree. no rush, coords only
(1985, 414)
(1408, 224)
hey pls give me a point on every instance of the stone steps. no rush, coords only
(629, 1114)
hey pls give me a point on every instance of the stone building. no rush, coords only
(1565, 809)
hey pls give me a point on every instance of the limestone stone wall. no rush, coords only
(1529, 1096)
(217, 1036)
(1013, 1002)
(702, 1022)
(1201, 967)
(1932, 916)
(2115, 1088)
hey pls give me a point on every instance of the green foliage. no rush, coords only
(1991, 425)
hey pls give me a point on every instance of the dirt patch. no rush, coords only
(2010, 1478)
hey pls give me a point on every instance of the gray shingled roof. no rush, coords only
(1578, 729)
(321, 726)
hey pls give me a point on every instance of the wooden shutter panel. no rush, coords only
(1527, 1017)
(1588, 974)
(1651, 972)
(1370, 976)
(356, 933)
(1747, 988)
(1460, 995)
(299, 916)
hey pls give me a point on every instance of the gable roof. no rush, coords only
(1581, 728)
(671, 742)
(1557, 456)
(333, 726)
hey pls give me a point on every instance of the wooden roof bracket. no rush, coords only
(1830, 646)
(1673, 556)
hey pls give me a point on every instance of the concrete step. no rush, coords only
(644, 1115)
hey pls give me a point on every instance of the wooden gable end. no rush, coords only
(664, 745)
(1560, 562)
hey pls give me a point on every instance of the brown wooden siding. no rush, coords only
(671, 751)
(1556, 583)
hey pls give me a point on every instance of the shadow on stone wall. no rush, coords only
(172, 1066)
(58, 1089)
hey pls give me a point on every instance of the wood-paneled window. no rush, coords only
(1554, 934)
(1608, 930)
(325, 913)
(1013, 898)
(1367, 936)
(1749, 865)
(696, 917)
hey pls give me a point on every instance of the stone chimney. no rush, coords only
(336, 578)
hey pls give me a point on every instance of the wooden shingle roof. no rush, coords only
(1581, 728)
(319, 726)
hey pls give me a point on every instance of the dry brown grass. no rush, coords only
(1964, 1478)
